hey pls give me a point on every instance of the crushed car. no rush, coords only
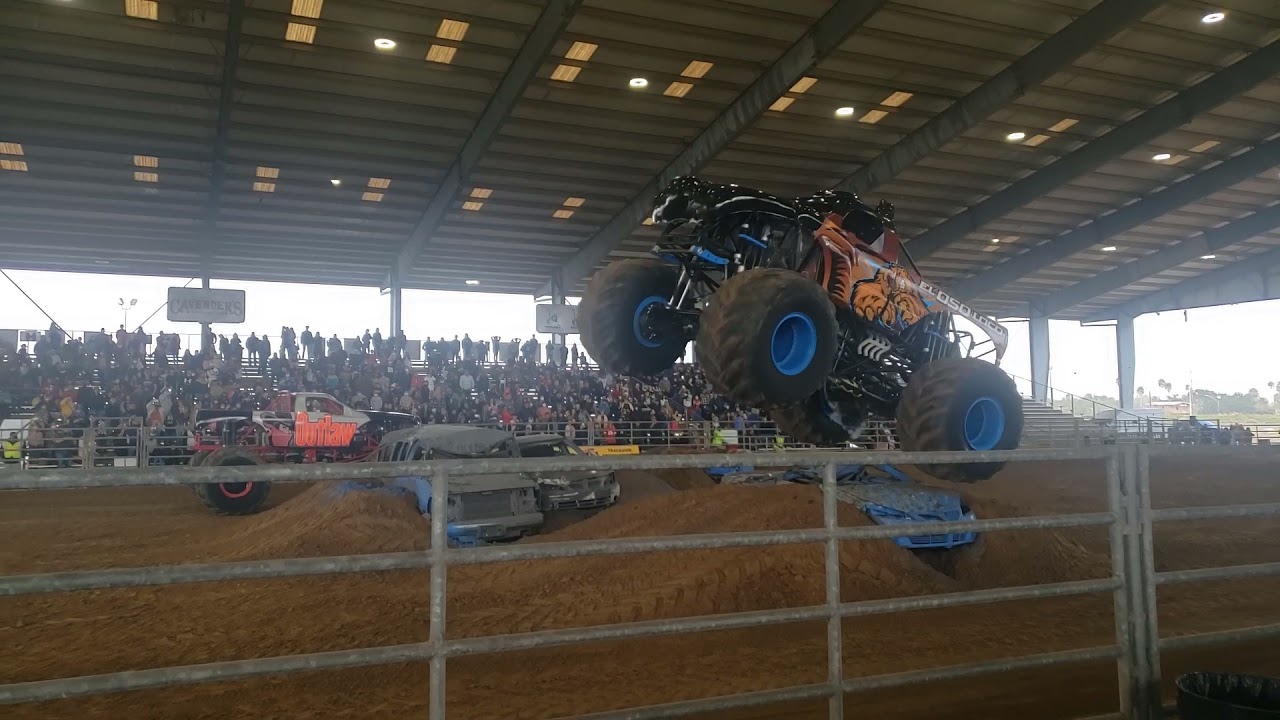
(574, 490)
(481, 508)
(885, 495)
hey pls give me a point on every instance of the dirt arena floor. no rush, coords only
(50, 636)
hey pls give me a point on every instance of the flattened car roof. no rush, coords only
(453, 439)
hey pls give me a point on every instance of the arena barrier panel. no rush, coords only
(1132, 583)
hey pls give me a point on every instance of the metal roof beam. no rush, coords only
(1205, 243)
(1256, 277)
(1051, 56)
(820, 40)
(555, 16)
(222, 132)
(1206, 95)
(1102, 228)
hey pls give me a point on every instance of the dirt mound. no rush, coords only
(333, 518)
(637, 485)
(517, 597)
(685, 478)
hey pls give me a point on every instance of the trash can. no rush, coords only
(1227, 696)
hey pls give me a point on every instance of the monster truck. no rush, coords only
(811, 310)
(294, 427)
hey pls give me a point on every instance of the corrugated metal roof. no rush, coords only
(90, 89)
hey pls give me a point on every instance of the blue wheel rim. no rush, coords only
(984, 424)
(794, 343)
(636, 329)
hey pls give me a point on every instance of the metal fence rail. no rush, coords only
(1132, 581)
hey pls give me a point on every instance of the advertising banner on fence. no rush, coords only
(612, 450)
(201, 305)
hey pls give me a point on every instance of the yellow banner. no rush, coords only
(613, 450)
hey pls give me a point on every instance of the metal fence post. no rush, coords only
(1119, 531)
(1144, 549)
(835, 652)
(144, 446)
(439, 545)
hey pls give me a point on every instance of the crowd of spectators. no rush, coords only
(124, 381)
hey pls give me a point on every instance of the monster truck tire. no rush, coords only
(610, 317)
(197, 458)
(960, 404)
(768, 337)
(233, 498)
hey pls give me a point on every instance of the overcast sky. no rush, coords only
(1228, 349)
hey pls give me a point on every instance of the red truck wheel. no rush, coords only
(235, 497)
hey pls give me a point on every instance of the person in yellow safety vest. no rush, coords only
(12, 449)
(778, 443)
(717, 437)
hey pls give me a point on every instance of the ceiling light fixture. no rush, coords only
(481, 192)
(874, 116)
(565, 73)
(452, 29)
(473, 283)
(472, 205)
(639, 82)
(442, 54)
(897, 99)
(581, 51)
(1015, 136)
(995, 240)
(335, 182)
(384, 43)
(1161, 157)
(678, 89)
(300, 32)
(782, 103)
(844, 112)
(1109, 248)
(697, 68)
(1213, 17)
(1208, 257)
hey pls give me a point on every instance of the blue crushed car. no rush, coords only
(887, 496)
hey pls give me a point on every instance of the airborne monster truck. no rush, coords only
(812, 310)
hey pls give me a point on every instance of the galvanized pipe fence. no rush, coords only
(1132, 582)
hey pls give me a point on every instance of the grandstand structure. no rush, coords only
(1077, 159)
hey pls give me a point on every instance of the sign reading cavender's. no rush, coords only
(201, 305)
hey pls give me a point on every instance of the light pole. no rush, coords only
(125, 308)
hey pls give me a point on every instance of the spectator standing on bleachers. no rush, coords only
(264, 352)
(377, 341)
(237, 349)
(306, 342)
(468, 348)
(12, 449)
(224, 347)
(251, 345)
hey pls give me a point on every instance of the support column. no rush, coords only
(204, 327)
(557, 339)
(1039, 339)
(396, 291)
(1126, 356)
